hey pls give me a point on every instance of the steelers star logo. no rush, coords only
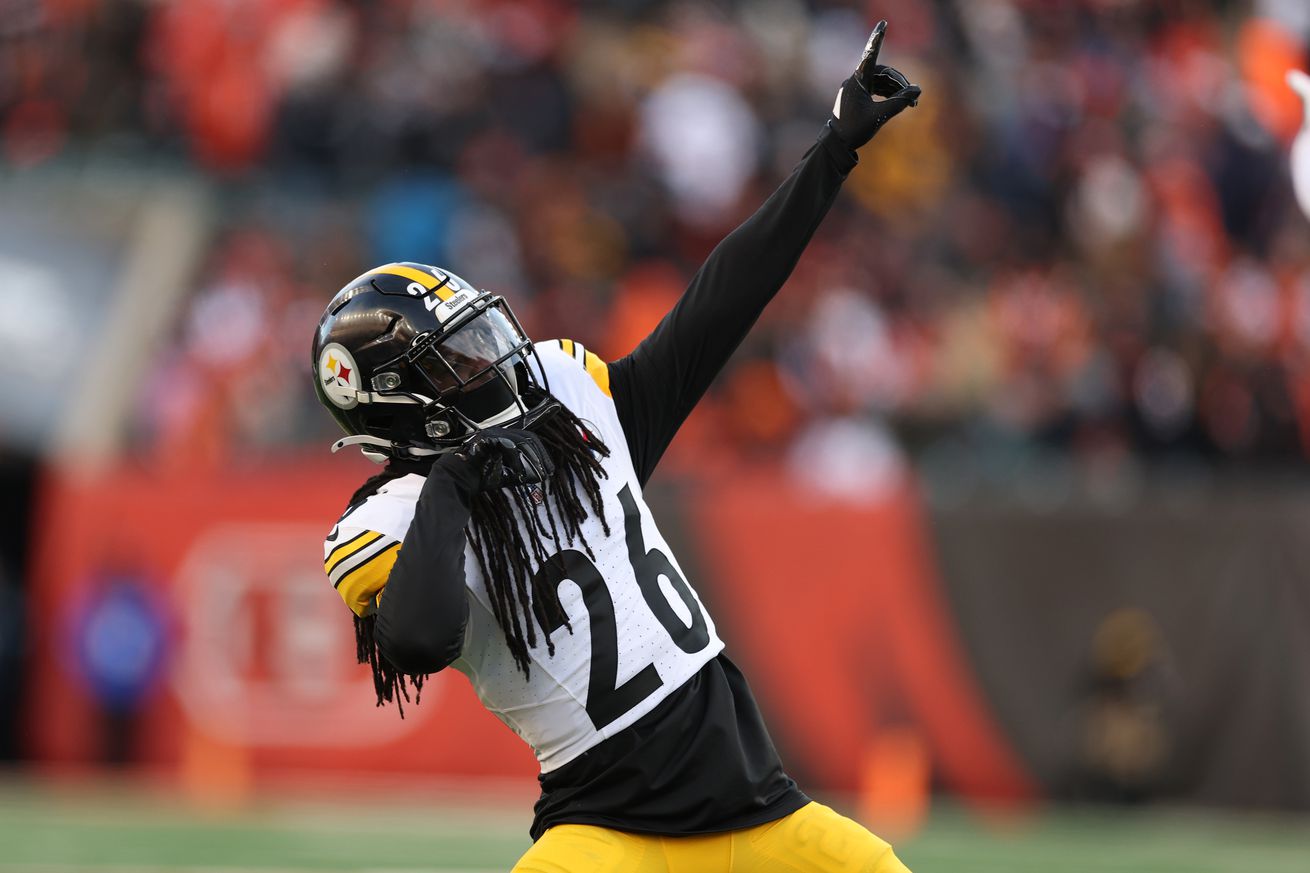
(339, 376)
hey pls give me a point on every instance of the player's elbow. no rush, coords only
(419, 659)
(419, 648)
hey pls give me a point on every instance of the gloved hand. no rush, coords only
(505, 457)
(856, 116)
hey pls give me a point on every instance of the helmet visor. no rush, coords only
(467, 356)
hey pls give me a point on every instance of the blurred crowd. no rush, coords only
(1083, 240)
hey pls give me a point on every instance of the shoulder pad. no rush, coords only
(358, 563)
(596, 368)
(359, 552)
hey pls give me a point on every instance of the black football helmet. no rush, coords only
(411, 360)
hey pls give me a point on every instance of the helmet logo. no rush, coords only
(339, 376)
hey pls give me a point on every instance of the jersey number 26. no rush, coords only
(606, 701)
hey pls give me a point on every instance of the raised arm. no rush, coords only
(656, 386)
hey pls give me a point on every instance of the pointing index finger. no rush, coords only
(871, 50)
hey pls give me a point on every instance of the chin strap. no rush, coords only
(379, 451)
(380, 457)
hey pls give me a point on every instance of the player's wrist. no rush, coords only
(843, 156)
(463, 472)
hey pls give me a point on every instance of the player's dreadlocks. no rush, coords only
(521, 602)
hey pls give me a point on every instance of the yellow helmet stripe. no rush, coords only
(427, 280)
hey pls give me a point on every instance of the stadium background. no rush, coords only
(1002, 506)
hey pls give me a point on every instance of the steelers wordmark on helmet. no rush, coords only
(339, 376)
(442, 292)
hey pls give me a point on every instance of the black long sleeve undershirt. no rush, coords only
(656, 386)
(422, 615)
(421, 619)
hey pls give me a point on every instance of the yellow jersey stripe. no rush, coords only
(599, 372)
(362, 585)
(350, 547)
(567, 346)
(427, 280)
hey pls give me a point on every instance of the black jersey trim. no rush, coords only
(700, 762)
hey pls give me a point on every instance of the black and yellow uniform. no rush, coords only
(654, 754)
(814, 839)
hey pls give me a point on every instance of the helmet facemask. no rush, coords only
(471, 374)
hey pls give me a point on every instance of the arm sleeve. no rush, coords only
(656, 386)
(424, 608)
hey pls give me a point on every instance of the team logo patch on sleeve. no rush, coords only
(339, 376)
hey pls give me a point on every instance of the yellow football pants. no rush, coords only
(814, 839)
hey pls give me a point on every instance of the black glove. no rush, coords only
(856, 116)
(505, 457)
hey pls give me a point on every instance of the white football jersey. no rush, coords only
(639, 631)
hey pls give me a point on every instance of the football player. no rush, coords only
(507, 538)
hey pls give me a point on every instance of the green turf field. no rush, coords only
(99, 829)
